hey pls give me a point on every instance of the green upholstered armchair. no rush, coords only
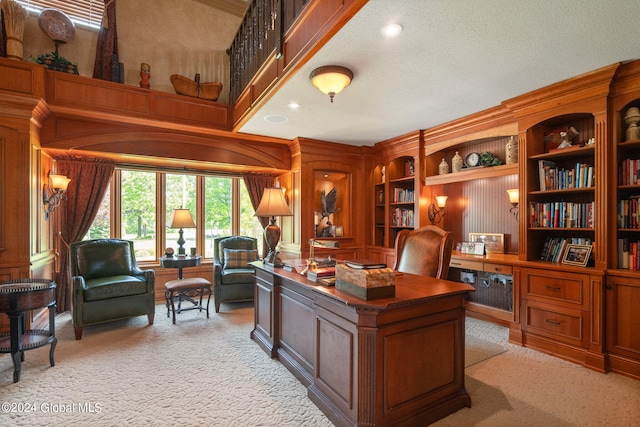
(108, 284)
(233, 279)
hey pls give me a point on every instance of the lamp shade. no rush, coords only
(273, 203)
(181, 218)
(331, 79)
(59, 182)
(441, 201)
(514, 196)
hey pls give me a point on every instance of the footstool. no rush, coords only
(192, 290)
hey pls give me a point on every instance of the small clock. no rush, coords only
(472, 160)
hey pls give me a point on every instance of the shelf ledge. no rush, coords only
(468, 175)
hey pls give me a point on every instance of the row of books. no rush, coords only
(554, 247)
(629, 172)
(628, 254)
(554, 178)
(403, 195)
(629, 212)
(403, 217)
(561, 215)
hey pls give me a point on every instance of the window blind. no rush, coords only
(87, 12)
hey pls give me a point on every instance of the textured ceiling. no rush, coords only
(454, 58)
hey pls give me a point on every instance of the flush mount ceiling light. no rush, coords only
(331, 79)
(391, 30)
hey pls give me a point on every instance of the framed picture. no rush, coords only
(577, 255)
(493, 242)
(472, 248)
(339, 231)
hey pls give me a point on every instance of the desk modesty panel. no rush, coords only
(392, 361)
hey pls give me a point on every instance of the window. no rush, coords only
(86, 12)
(138, 212)
(133, 210)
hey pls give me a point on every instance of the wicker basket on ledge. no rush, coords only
(185, 86)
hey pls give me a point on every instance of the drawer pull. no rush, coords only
(553, 288)
(455, 263)
(553, 322)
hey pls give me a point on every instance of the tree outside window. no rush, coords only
(138, 201)
(218, 196)
(181, 193)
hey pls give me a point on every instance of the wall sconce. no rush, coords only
(514, 199)
(181, 218)
(331, 79)
(437, 212)
(54, 192)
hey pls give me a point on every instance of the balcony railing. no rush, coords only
(261, 32)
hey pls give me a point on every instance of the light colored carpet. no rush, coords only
(208, 372)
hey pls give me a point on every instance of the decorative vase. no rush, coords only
(443, 168)
(456, 163)
(511, 151)
(632, 118)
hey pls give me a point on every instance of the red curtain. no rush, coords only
(107, 45)
(89, 182)
(256, 183)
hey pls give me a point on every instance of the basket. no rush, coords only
(185, 86)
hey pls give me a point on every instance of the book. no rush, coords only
(364, 264)
(545, 168)
(319, 273)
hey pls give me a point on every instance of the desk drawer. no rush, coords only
(563, 288)
(498, 268)
(565, 326)
(466, 264)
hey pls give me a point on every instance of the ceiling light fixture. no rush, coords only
(391, 30)
(331, 79)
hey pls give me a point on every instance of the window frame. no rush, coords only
(84, 12)
(161, 243)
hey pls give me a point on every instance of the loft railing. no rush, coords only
(262, 30)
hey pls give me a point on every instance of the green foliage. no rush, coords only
(53, 56)
(488, 159)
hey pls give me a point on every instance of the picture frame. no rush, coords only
(577, 255)
(339, 231)
(472, 248)
(494, 242)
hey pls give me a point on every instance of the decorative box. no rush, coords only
(366, 284)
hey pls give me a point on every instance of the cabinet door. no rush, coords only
(623, 316)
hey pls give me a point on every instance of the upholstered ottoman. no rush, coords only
(192, 290)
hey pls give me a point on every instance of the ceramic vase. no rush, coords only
(443, 168)
(456, 163)
(511, 151)
(632, 118)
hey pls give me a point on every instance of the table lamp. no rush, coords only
(181, 218)
(273, 204)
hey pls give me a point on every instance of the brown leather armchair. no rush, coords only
(107, 283)
(425, 251)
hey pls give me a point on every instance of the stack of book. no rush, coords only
(321, 273)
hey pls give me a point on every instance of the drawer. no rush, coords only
(565, 326)
(498, 268)
(562, 288)
(466, 264)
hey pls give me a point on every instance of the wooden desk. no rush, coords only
(394, 361)
(17, 297)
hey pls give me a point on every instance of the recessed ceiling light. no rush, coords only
(276, 118)
(391, 30)
(294, 105)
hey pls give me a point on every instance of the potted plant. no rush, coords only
(55, 62)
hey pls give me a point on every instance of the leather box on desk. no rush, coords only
(366, 284)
